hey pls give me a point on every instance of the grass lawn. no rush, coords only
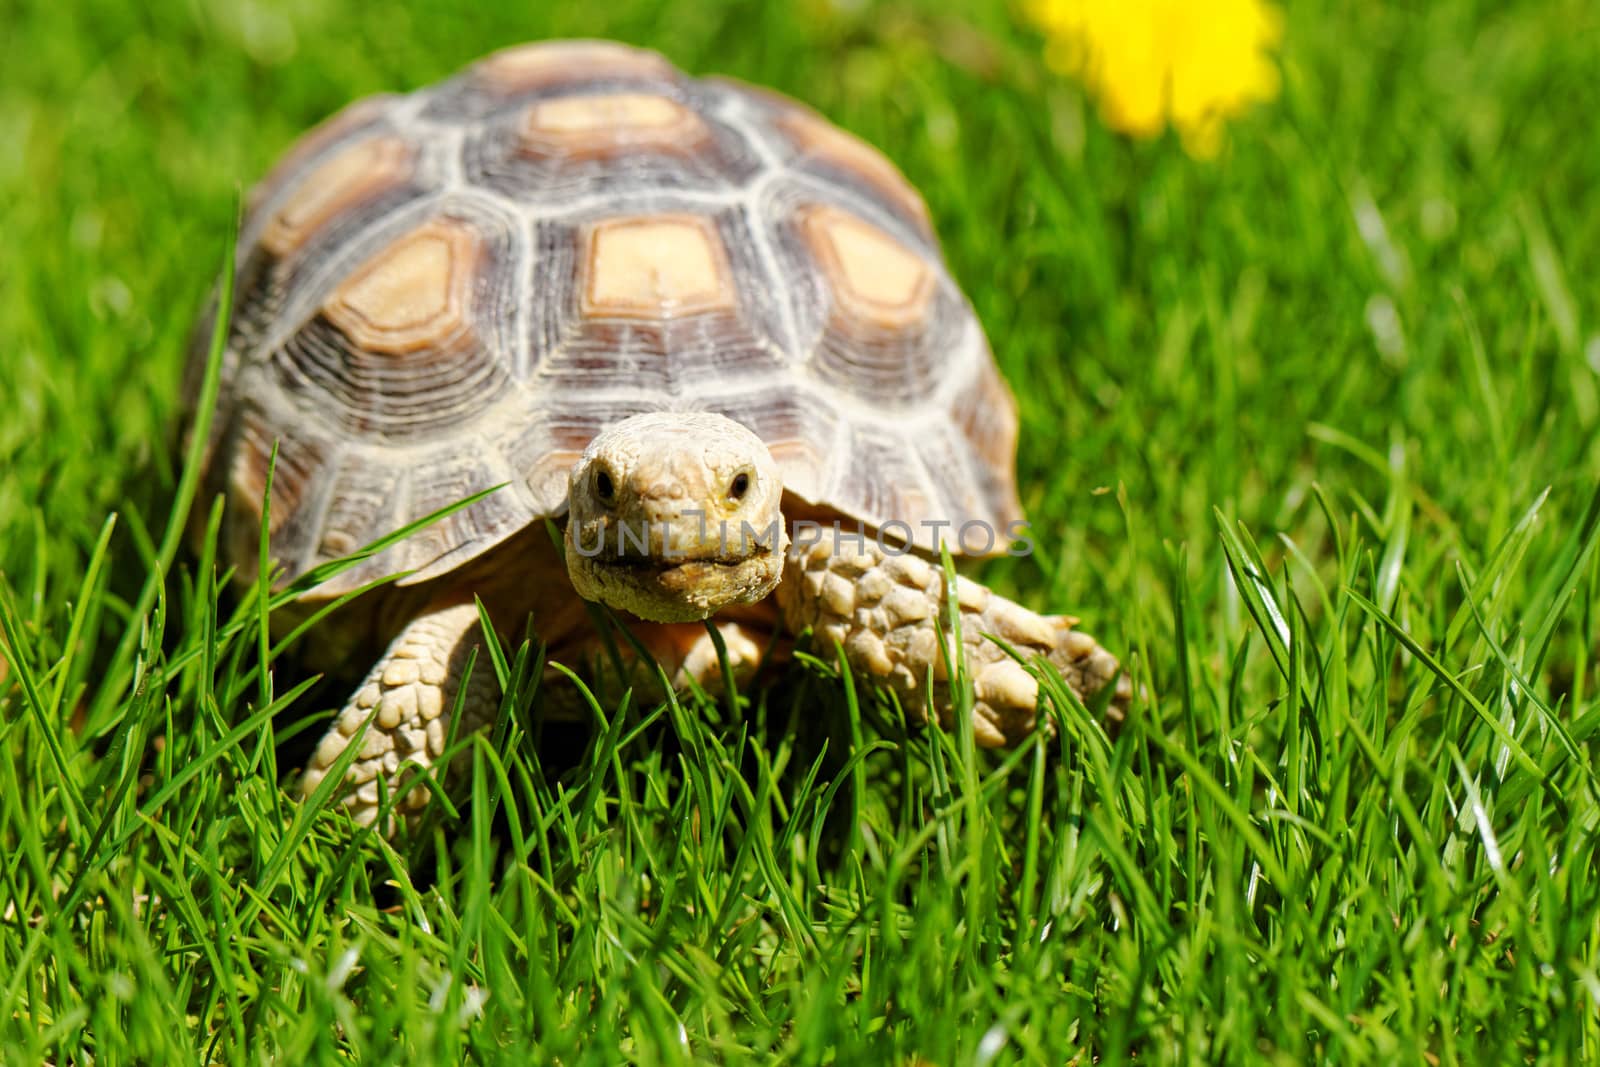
(1311, 433)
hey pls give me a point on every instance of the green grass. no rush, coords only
(1311, 431)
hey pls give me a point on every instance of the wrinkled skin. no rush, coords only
(673, 517)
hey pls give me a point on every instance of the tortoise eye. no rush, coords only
(739, 486)
(604, 488)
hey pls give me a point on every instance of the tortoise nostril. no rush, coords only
(739, 486)
(662, 490)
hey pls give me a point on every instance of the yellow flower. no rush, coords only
(1154, 62)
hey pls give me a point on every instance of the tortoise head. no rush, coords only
(675, 515)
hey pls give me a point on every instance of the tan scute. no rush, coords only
(413, 294)
(363, 171)
(605, 123)
(537, 66)
(875, 277)
(656, 267)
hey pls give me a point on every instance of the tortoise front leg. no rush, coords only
(685, 652)
(884, 610)
(407, 698)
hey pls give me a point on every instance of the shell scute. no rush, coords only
(410, 341)
(285, 468)
(504, 82)
(547, 65)
(356, 170)
(810, 145)
(654, 267)
(568, 148)
(368, 495)
(879, 318)
(670, 303)
(452, 475)
(413, 294)
(875, 279)
(362, 171)
(343, 126)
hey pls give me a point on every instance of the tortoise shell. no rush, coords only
(457, 288)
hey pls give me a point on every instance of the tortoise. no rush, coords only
(704, 331)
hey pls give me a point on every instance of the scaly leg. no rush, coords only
(884, 611)
(408, 697)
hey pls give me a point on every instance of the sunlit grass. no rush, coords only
(1310, 432)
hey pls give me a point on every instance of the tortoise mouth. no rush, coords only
(686, 573)
(675, 589)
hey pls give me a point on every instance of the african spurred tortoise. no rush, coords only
(692, 321)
